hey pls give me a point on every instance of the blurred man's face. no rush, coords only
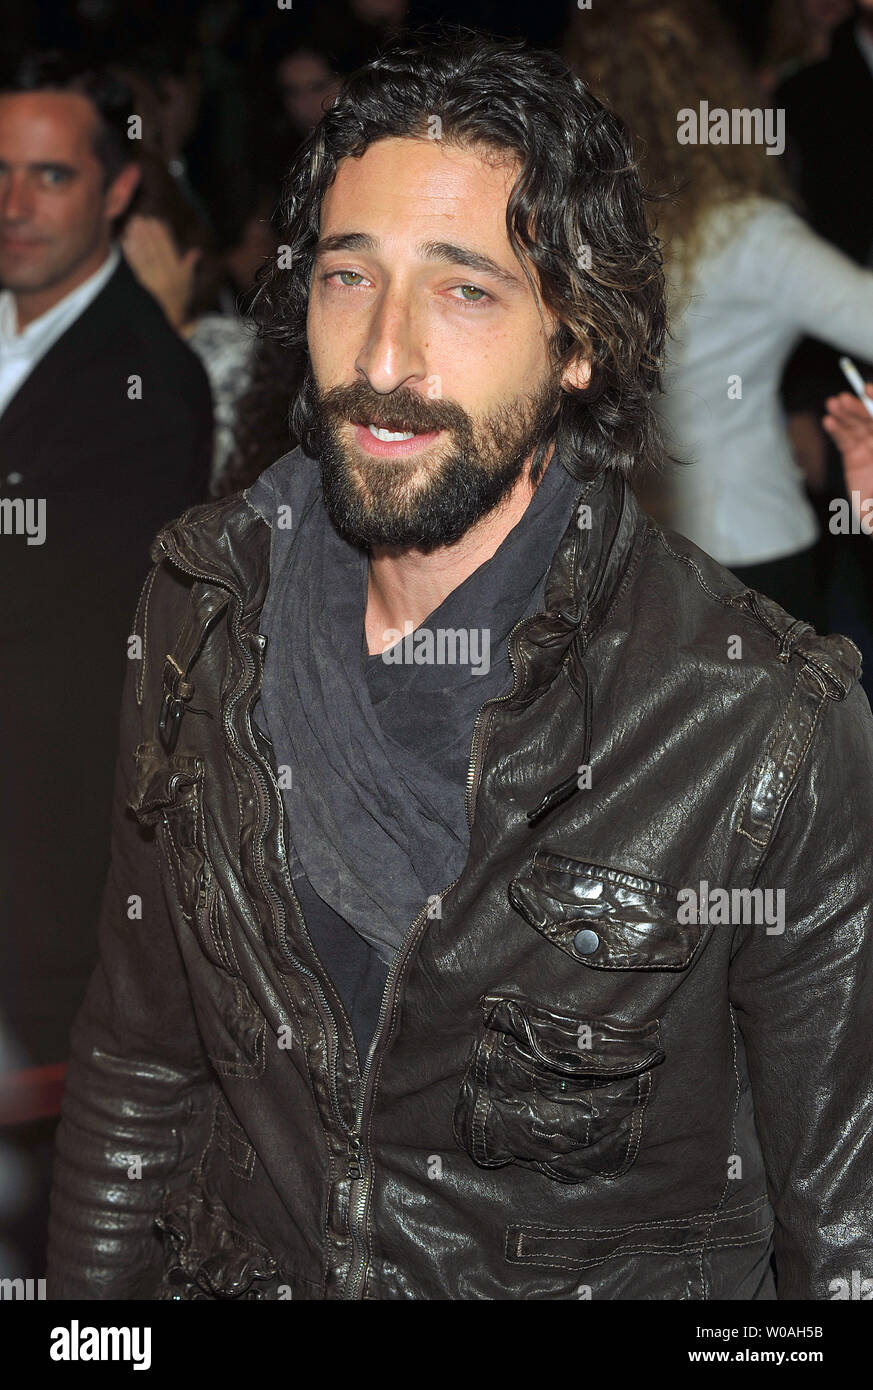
(422, 325)
(55, 214)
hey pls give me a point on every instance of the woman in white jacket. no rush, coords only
(747, 281)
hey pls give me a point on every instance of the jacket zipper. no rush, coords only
(479, 740)
(295, 959)
(556, 796)
(477, 747)
(258, 854)
(358, 1171)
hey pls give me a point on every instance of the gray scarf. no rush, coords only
(377, 749)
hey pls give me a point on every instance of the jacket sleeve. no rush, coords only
(804, 1003)
(137, 1080)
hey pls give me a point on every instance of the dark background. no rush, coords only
(60, 21)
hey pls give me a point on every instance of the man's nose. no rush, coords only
(16, 199)
(393, 354)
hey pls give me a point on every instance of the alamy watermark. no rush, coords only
(738, 126)
(762, 907)
(76, 1343)
(29, 1290)
(23, 516)
(442, 646)
(851, 519)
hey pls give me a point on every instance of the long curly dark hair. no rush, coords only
(576, 214)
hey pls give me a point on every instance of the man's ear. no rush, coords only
(121, 190)
(577, 376)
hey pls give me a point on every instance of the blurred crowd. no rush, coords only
(133, 382)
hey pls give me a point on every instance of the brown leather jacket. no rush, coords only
(579, 1087)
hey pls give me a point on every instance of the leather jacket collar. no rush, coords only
(227, 543)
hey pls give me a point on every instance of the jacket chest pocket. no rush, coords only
(169, 795)
(560, 1094)
(604, 918)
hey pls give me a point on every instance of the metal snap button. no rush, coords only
(586, 942)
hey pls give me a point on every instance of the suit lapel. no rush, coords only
(39, 393)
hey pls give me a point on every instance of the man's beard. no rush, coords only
(375, 502)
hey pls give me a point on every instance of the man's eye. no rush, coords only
(350, 276)
(53, 177)
(476, 291)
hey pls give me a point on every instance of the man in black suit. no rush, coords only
(105, 434)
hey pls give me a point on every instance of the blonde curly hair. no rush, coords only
(650, 59)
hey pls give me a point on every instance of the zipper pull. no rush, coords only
(554, 797)
(169, 720)
(203, 885)
(355, 1169)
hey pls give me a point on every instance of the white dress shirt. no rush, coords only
(20, 352)
(755, 294)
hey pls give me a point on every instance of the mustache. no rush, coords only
(402, 410)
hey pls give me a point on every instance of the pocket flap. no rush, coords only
(597, 1049)
(208, 1252)
(582, 1247)
(160, 782)
(603, 917)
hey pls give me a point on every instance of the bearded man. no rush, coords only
(430, 976)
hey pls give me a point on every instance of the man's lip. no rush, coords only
(392, 427)
(383, 448)
(8, 239)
